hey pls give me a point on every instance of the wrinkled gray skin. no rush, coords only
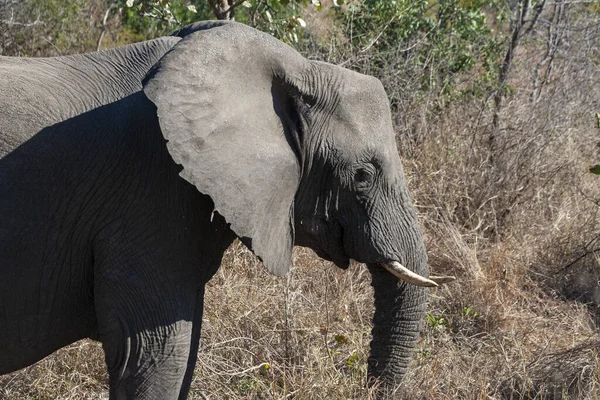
(100, 236)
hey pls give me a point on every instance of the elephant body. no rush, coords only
(92, 221)
(126, 174)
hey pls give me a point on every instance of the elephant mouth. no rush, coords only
(339, 260)
(325, 237)
(406, 275)
(338, 256)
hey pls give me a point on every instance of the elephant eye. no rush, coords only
(363, 177)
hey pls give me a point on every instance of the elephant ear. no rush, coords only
(223, 100)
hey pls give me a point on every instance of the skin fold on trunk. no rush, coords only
(399, 310)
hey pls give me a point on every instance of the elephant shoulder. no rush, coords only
(39, 92)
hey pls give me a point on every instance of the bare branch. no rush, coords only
(517, 23)
(103, 32)
(569, 265)
(29, 24)
(12, 22)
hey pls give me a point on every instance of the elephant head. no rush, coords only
(294, 151)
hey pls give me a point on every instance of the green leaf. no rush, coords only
(341, 339)
(595, 169)
(352, 359)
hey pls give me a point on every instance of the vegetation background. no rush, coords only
(496, 106)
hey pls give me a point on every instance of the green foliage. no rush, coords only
(385, 22)
(341, 339)
(50, 27)
(247, 385)
(353, 364)
(469, 312)
(437, 322)
(157, 18)
(425, 353)
(441, 39)
(282, 18)
(352, 360)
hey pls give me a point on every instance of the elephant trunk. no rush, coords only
(399, 309)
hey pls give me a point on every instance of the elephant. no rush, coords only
(125, 174)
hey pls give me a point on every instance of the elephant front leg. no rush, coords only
(194, 344)
(146, 332)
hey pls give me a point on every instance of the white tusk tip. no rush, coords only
(440, 280)
(406, 275)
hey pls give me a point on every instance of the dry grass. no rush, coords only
(494, 335)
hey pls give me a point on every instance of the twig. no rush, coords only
(254, 368)
(11, 21)
(587, 197)
(409, 48)
(555, 36)
(104, 20)
(538, 8)
(522, 9)
(327, 322)
(569, 265)
(378, 36)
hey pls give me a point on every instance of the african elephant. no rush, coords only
(125, 174)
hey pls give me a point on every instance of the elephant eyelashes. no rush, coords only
(363, 178)
(308, 100)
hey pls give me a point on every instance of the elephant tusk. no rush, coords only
(403, 273)
(442, 279)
